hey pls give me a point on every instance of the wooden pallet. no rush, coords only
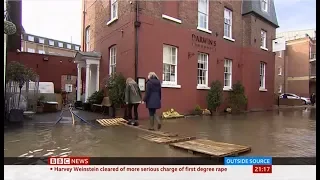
(211, 148)
(165, 139)
(141, 128)
(111, 122)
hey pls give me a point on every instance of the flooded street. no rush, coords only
(275, 133)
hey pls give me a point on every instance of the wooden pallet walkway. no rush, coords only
(111, 122)
(121, 121)
(211, 148)
(164, 139)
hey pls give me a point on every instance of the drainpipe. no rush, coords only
(137, 24)
(83, 24)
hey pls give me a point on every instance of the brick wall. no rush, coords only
(49, 70)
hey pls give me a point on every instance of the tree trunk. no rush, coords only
(20, 87)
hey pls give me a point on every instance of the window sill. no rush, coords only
(228, 38)
(227, 89)
(204, 87)
(112, 20)
(171, 86)
(263, 90)
(279, 74)
(171, 18)
(263, 48)
(204, 30)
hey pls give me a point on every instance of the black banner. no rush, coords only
(158, 161)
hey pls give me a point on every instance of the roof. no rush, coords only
(89, 54)
(254, 6)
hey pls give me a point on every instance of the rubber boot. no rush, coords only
(157, 118)
(151, 119)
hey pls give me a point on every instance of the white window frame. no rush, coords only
(51, 42)
(30, 38)
(41, 51)
(280, 54)
(263, 44)
(262, 82)
(69, 77)
(69, 46)
(173, 62)
(203, 58)
(113, 11)
(227, 66)
(113, 60)
(77, 48)
(279, 71)
(87, 39)
(266, 7)
(206, 15)
(68, 88)
(280, 88)
(60, 44)
(227, 25)
(21, 49)
(30, 50)
(41, 40)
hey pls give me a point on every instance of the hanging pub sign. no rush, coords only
(203, 42)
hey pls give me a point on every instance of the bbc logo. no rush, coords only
(59, 161)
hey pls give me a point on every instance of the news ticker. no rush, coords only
(259, 161)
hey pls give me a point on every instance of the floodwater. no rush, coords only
(286, 133)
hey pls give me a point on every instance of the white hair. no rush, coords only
(152, 74)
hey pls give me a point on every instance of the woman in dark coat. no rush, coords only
(152, 99)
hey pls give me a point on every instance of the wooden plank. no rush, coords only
(165, 139)
(141, 128)
(211, 148)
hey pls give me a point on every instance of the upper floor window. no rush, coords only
(113, 60)
(60, 44)
(203, 69)
(169, 75)
(68, 77)
(41, 40)
(87, 39)
(264, 5)
(280, 53)
(203, 12)
(69, 46)
(77, 48)
(228, 23)
(51, 42)
(30, 38)
(30, 50)
(279, 71)
(114, 9)
(41, 52)
(263, 39)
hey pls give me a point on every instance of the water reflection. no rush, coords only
(276, 133)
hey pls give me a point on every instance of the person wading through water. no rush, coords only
(152, 99)
(132, 98)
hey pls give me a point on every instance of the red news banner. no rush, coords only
(80, 161)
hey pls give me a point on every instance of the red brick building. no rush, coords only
(49, 68)
(188, 44)
(296, 67)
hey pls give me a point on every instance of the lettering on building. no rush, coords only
(203, 42)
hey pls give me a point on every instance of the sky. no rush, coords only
(61, 19)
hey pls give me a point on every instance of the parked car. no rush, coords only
(294, 96)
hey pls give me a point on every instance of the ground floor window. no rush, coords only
(227, 74)
(262, 75)
(169, 75)
(113, 58)
(203, 69)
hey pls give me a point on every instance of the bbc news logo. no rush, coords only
(68, 161)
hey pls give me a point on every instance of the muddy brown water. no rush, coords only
(288, 133)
